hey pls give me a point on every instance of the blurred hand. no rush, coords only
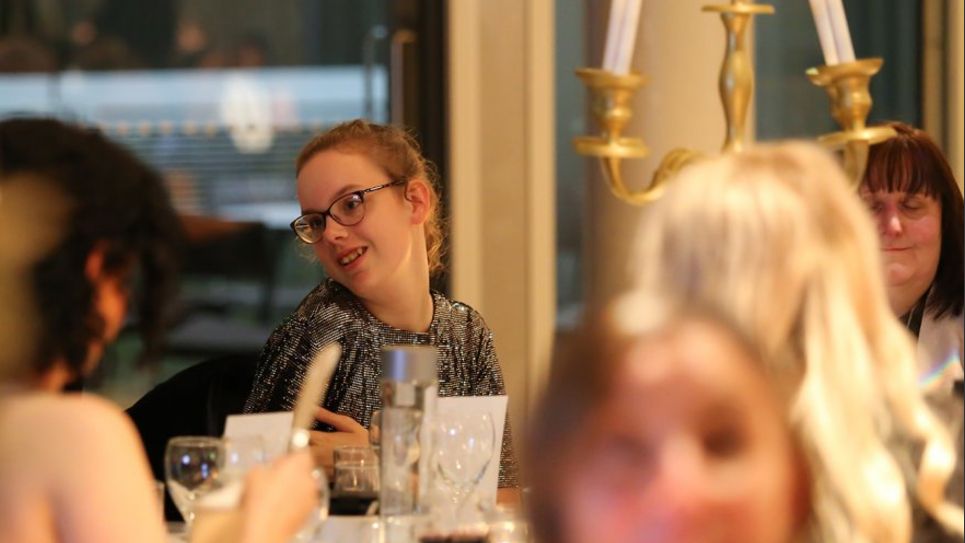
(347, 432)
(278, 499)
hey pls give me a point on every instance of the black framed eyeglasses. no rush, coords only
(347, 210)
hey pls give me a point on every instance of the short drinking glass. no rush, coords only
(356, 471)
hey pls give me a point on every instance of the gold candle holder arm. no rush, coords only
(610, 98)
(848, 87)
(614, 177)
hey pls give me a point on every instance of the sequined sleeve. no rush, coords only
(280, 368)
(320, 319)
(490, 382)
(486, 378)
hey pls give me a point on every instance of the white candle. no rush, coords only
(822, 21)
(628, 37)
(842, 35)
(617, 10)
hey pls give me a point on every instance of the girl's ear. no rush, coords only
(419, 198)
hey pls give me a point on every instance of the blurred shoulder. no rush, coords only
(67, 414)
(47, 429)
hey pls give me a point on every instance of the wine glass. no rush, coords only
(464, 448)
(242, 453)
(192, 465)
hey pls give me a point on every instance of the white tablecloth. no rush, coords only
(336, 529)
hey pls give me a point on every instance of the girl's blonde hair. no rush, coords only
(398, 154)
(774, 238)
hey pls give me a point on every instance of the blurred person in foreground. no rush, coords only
(660, 424)
(918, 209)
(773, 241)
(87, 229)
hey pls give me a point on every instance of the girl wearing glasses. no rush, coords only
(371, 214)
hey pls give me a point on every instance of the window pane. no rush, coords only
(219, 95)
(790, 106)
(570, 167)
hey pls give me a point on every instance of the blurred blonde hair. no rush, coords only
(24, 241)
(774, 238)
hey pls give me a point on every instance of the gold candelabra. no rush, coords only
(846, 84)
(611, 94)
(848, 88)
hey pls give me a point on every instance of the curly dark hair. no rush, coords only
(116, 203)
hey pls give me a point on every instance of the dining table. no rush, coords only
(335, 529)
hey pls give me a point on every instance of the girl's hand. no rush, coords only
(347, 432)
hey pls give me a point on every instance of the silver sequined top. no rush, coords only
(467, 360)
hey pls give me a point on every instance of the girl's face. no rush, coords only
(909, 228)
(691, 445)
(383, 246)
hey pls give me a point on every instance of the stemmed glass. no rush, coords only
(243, 453)
(464, 448)
(192, 465)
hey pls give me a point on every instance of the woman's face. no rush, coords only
(691, 446)
(364, 256)
(909, 228)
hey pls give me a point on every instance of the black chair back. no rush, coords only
(195, 401)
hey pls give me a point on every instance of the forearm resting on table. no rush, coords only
(508, 496)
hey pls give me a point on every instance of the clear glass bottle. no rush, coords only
(409, 388)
